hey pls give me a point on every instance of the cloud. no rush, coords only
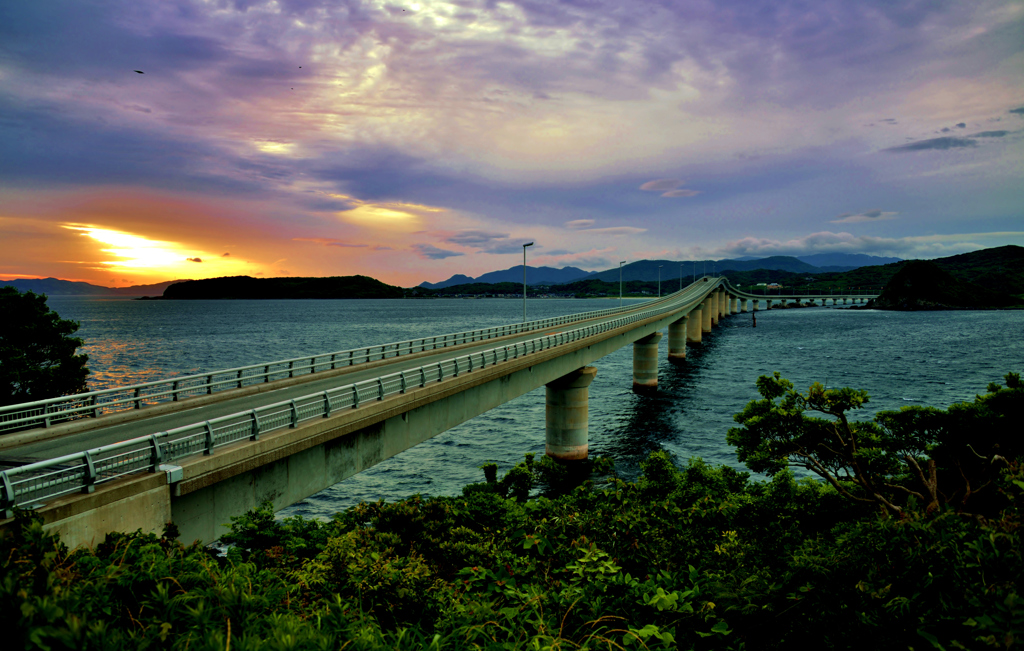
(329, 241)
(487, 242)
(926, 246)
(475, 238)
(430, 252)
(961, 125)
(577, 224)
(1018, 111)
(669, 188)
(866, 216)
(681, 193)
(660, 185)
(935, 143)
(194, 259)
(990, 134)
(225, 255)
(616, 230)
(591, 260)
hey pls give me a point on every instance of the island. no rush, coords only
(247, 287)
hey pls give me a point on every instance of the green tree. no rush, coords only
(933, 455)
(37, 351)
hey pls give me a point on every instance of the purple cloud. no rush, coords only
(935, 143)
(866, 216)
(430, 252)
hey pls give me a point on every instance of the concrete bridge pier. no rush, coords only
(566, 415)
(706, 319)
(677, 340)
(722, 308)
(693, 327)
(645, 363)
(736, 305)
(769, 302)
(755, 303)
(744, 305)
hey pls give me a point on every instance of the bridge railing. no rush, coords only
(44, 413)
(26, 486)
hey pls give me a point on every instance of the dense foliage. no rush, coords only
(37, 351)
(691, 557)
(940, 457)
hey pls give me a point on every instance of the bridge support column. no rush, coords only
(722, 309)
(735, 305)
(744, 304)
(677, 340)
(566, 415)
(755, 303)
(645, 363)
(769, 302)
(706, 319)
(693, 326)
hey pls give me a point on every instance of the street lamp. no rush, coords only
(620, 282)
(659, 279)
(524, 279)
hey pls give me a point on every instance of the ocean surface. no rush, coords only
(932, 358)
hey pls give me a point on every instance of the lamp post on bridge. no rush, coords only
(659, 279)
(524, 279)
(620, 282)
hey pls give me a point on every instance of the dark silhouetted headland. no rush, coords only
(247, 287)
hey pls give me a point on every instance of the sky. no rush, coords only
(151, 140)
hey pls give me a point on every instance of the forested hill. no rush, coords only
(247, 287)
(924, 285)
(999, 269)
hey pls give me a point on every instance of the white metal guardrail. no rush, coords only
(44, 413)
(29, 485)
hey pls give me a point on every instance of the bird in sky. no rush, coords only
(140, 72)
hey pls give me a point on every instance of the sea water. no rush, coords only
(899, 358)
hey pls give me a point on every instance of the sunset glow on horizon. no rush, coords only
(411, 141)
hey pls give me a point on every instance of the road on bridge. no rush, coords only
(103, 434)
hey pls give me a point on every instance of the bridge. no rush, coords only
(200, 449)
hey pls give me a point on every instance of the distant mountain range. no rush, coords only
(647, 270)
(57, 287)
(534, 276)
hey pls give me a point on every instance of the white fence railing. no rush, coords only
(44, 413)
